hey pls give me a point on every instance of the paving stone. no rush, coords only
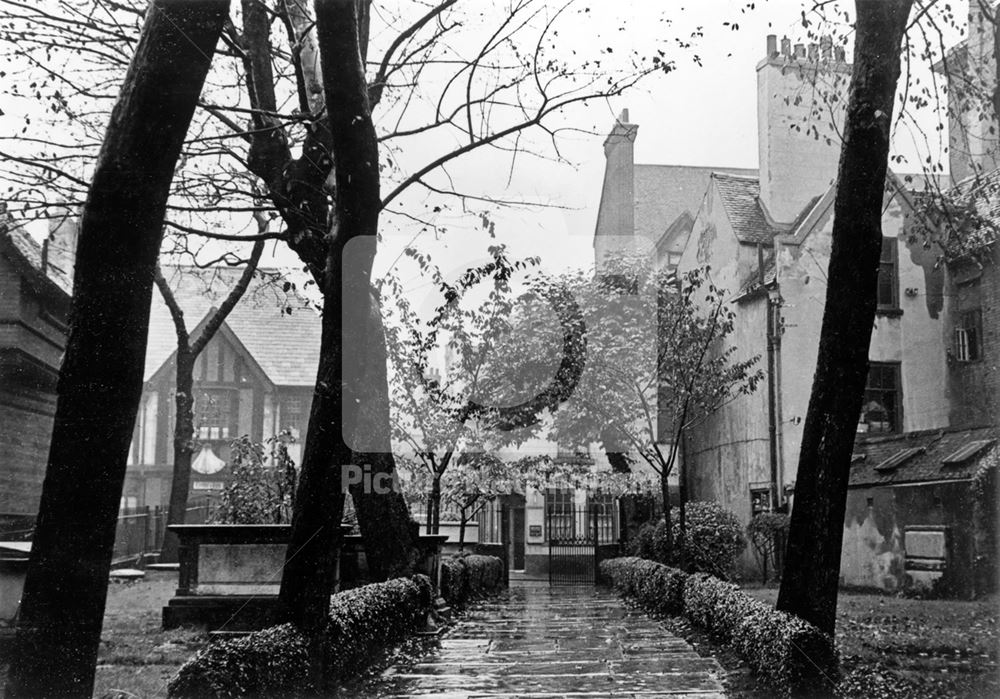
(554, 642)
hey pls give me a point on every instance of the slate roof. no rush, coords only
(28, 255)
(983, 191)
(740, 197)
(928, 450)
(285, 345)
(664, 192)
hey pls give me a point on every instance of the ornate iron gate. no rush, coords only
(579, 537)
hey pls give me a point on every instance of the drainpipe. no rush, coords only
(772, 388)
(778, 454)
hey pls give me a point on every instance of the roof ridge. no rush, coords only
(730, 175)
(697, 167)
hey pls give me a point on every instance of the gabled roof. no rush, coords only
(284, 344)
(664, 192)
(914, 457)
(26, 254)
(224, 333)
(740, 197)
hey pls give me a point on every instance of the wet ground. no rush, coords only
(554, 642)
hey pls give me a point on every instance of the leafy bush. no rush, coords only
(275, 662)
(262, 489)
(714, 539)
(467, 577)
(790, 654)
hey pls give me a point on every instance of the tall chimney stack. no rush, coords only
(615, 230)
(798, 150)
(61, 242)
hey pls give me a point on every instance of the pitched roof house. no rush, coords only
(766, 237)
(255, 377)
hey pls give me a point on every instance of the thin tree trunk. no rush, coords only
(180, 482)
(187, 353)
(812, 568)
(434, 505)
(461, 531)
(682, 501)
(668, 532)
(100, 381)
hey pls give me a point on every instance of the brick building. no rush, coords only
(34, 306)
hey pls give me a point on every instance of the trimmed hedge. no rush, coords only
(275, 662)
(656, 587)
(464, 578)
(787, 652)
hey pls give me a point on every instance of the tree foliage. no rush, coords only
(711, 543)
(653, 361)
(262, 485)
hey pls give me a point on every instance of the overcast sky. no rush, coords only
(694, 116)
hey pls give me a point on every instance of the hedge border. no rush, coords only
(788, 653)
(274, 662)
(470, 576)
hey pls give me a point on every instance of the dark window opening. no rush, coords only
(969, 336)
(214, 415)
(882, 407)
(292, 417)
(760, 500)
(888, 277)
(560, 513)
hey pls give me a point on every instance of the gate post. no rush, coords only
(597, 543)
(505, 540)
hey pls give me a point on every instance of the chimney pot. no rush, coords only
(772, 45)
(786, 47)
(624, 116)
(826, 47)
(840, 54)
(813, 53)
(800, 51)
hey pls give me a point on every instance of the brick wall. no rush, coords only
(974, 387)
(24, 448)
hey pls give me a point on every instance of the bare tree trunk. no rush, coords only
(180, 482)
(668, 531)
(340, 413)
(388, 533)
(812, 567)
(187, 353)
(100, 382)
(434, 505)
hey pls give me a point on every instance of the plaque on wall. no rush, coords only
(535, 530)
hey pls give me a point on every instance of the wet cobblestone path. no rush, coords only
(554, 642)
